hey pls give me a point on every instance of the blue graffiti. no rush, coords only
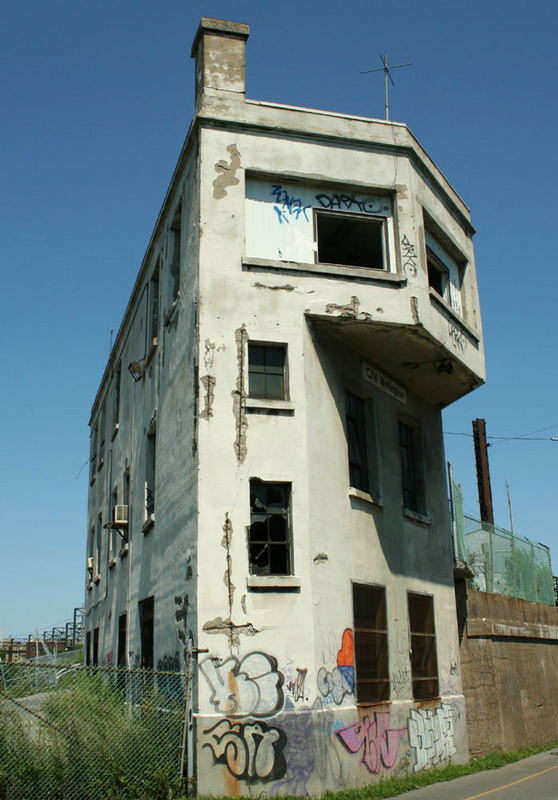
(349, 202)
(287, 206)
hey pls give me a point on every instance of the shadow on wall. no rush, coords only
(341, 367)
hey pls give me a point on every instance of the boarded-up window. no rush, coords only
(424, 669)
(371, 644)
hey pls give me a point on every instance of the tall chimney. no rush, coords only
(219, 48)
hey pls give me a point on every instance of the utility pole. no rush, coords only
(483, 471)
(508, 489)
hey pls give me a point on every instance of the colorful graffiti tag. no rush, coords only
(431, 735)
(340, 681)
(251, 751)
(249, 687)
(379, 743)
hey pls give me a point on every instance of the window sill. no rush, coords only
(423, 519)
(93, 479)
(123, 550)
(112, 562)
(273, 583)
(101, 462)
(148, 524)
(153, 348)
(365, 497)
(437, 299)
(272, 405)
(170, 313)
(97, 579)
(342, 270)
(115, 431)
(89, 586)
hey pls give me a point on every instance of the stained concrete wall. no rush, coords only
(509, 666)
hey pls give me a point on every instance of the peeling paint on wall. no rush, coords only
(286, 287)
(226, 173)
(239, 396)
(350, 310)
(415, 310)
(229, 629)
(227, 577)
(208, 383)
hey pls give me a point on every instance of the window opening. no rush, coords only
(437, 275)
(424, 670)
(411, 484)
(113, 535)
(102, 426)
(95, 660)
(175, 232)
(266, 371)
(370, 643)
(88, 649)
(116, 407)
(270, 535)
(351, 240)
(98, 545)
(122, 629)
(150, 476)
(356, 441)
(94, 446)
(154, 301)
(147, 616)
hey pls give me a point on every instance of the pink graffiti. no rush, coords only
(380, 744)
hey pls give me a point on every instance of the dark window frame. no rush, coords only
(146, 609)
(371, 646)
(357, 441)
(410, 455)
(262, 370)
(175, 232)
(340, 219)
(269, 547)
(423, 653)
(438, 275)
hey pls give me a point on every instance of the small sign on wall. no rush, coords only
(374, 376)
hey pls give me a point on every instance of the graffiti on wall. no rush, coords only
(169, 663)
(348, 202)
(408, 256)
(251, 751)
(340, 681)
(457, 336)
(296, 685)
(250, 686)
(431, 735)
(379, 743)
(286, 207)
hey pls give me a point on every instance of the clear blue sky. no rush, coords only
(96, 99)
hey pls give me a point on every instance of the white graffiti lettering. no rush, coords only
(252, 686)
(431, 735)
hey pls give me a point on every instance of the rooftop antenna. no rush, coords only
(387, 74)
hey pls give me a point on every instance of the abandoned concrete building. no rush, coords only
(267, 477)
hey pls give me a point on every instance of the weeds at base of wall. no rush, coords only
(392, 787)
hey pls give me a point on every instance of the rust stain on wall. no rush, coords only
(239, 396)
(226, 173)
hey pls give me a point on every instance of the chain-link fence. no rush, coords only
(502, 562)
(91, 733)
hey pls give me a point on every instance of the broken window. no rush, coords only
(438, 275)
(267, 371)
(147, 618)
(424, 670)
(270, 535)
(370, 643)
(356, 442)
(411, 480)
(175, 245)
(352, 240)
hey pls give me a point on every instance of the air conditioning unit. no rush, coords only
(90, 566)
(120, 516)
